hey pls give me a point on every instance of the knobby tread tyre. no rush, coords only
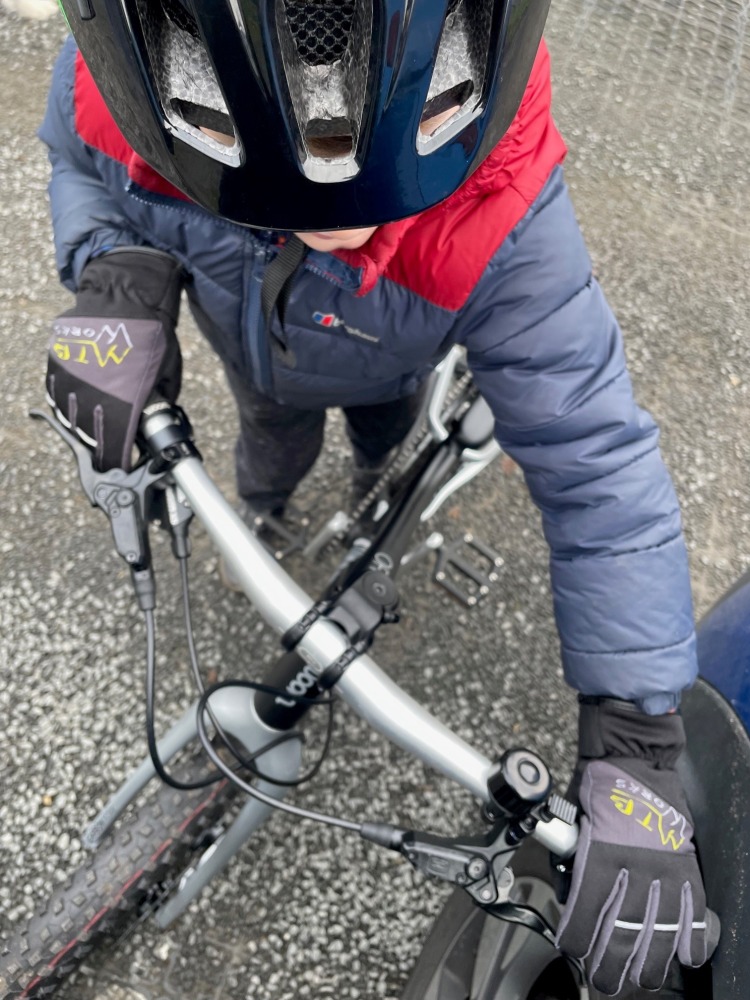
(106, 894)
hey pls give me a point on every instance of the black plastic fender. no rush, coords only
(716, 773)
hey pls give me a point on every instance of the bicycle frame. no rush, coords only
(363, 686)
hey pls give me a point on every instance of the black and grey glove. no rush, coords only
(636, 898)
(116, 349)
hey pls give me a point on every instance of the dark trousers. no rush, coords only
(278, 445)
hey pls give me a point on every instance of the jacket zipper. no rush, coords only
(256, 337)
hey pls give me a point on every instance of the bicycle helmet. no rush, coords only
(305, 114)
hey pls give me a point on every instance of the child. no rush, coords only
(318, 125)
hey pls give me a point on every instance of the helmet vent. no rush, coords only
(180, 16)
(186, 84)
(461, 63)
(325, 48)
(320, 30)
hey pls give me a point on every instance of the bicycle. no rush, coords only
(159, 858)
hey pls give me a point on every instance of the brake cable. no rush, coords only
(440, 857)
(247, 762)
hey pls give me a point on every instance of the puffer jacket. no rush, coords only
(499, 267)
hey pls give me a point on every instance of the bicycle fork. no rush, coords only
(236, 714)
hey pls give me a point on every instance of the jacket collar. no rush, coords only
(501, 169)
(373, 258)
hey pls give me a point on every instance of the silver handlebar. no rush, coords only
(364, 686)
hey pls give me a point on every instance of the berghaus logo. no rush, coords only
(326, 319)
(329, 320)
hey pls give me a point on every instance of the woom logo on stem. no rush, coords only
(305, 680)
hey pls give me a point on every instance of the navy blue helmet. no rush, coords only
(311, 114)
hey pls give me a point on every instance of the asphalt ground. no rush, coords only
(653, 98)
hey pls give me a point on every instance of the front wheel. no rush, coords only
(469, 955)
(133, 868)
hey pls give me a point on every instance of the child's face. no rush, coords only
(339, 239)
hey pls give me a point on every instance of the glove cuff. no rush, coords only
(136, 282)
(608, 727)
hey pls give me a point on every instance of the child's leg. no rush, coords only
(277, 446)
(373, 430)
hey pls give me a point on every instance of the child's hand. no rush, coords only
(116, 349)
(637, 899)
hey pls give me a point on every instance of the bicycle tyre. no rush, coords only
(107, 894)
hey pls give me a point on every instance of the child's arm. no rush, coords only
(85, 218)
(547, 355)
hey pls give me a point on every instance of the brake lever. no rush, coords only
(122, 496)
(527, 916)
(82, 454)
(477, 865)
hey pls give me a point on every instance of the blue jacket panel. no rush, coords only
(546, 353)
